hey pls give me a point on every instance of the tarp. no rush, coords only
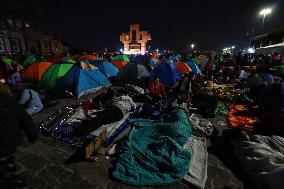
(194, 68)
(183, 68)
(105, 67)
(35, 71)
(29, 60)
(83, 83)
(153, 152)
(167, 73)
(131, 73)
(121, 57)
(119, 64)
(88, 57)
(54, 73)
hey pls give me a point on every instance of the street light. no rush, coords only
(192, 45)
(264, 12)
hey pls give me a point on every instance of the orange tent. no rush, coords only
(35, 71)
(183, 67)
(119, 64)
(88, 57)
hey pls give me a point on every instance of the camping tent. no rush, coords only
(119, 64)
(194, 68)
(121, 57)
(140, 59)
(105, 67)
(35, 71)
(7, 60)
(88, 57)
(173, 58)
(167, 73)
(133, 73)
(29, 60)
(84, 83)
(182, 67)
(54, 72)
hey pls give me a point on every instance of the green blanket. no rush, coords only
(153, 152)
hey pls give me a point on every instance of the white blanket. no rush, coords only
(263, 161)
(110, 127)
(197, 173)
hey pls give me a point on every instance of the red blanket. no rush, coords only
(245, 122)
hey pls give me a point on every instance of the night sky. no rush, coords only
(173, 24)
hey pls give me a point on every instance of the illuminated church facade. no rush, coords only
(135, 41)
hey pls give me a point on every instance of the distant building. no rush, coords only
(268, 39)
(39, 42)
(269, 42)
(18, 36)
(135, 41)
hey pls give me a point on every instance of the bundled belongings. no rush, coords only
(200, 127)
(153, 152)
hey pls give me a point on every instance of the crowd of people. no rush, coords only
(258, 77)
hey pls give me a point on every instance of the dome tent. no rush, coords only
(85, 84)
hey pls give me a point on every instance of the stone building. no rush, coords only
(11, 41)
(17, 35)
(135, 41)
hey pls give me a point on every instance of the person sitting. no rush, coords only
(270, 100)
(13, 76)
(244, 73)
(183, 90)
(157, 90)
(266, 77)
(30, 101)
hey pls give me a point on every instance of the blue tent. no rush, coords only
(174, 58)
(85, 84)
(105, 67)
(194, 68)
(139, 59)
(167, 73)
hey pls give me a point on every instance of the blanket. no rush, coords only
(153, 152)
(197, 173)
(236, 118)
(262, 162)
(110, 127)
(200, 127)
